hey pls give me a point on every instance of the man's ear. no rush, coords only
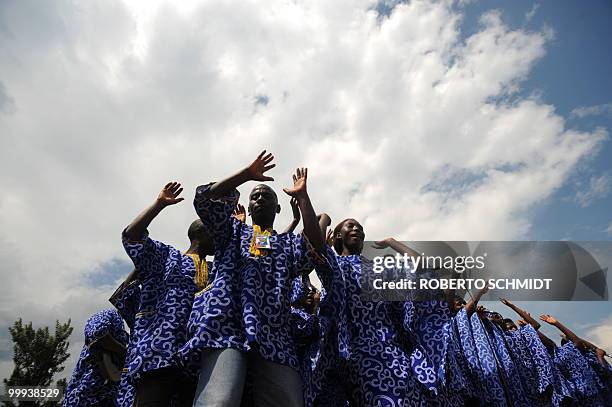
(278, 208)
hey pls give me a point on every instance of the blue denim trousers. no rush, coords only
(223, 375)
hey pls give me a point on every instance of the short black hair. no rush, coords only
(196, 229)
(266, 187)
(337, 243)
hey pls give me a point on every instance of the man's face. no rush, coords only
(456, 305)
(509, 326)
(262, 202)
(352, 234)
(495, 317)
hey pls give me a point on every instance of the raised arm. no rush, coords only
(324, 222)
(565, 330)
(296, 216)
(254, 172)
(169, 195)
(395, 245)
(398, 247)
(523, 314)
(549, 343)
(471, 305)
(311, 225)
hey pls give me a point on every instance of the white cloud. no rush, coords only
(531, 13)
(601, 335)
(596, 110)
(598, 187)
(387, 113)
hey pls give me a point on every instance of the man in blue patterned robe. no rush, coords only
(169, 280)
(243, 320)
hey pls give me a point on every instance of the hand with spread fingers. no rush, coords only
(549, 319)
(169, 195)
(240, 213)
(260, 166)
(299, 184)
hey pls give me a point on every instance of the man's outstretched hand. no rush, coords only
(261, 165)
(383, 244)
(169, 195)
(548, 319)
(299, 184)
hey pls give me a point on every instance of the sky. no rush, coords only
(443, 120)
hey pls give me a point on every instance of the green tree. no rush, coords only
(39, 355)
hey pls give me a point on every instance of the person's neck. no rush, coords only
(264, 224)
(196, 248)
(350, 252)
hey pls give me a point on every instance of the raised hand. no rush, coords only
(382, 244)
(548, 319)
(170, 194)
(240, 213)
(295, 209)
(258, 167)
(330, 238)
(299, 184)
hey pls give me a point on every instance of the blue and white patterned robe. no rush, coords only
(87, 386)
(127, 302)
(380, 362)
(168, 287)
(248, 306)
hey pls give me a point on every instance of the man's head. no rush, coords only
(456, 304)
(263, 205)
(349, 234)
(197, 233)
(495, 317)
(508, 325)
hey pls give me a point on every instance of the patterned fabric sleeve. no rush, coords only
(216, 214)
(148, 255)
(302, 255)
(325, 266)
(126, 301)
(304, 326)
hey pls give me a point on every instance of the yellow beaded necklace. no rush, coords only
(201, 271)
(253, 249)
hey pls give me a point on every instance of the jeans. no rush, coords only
(158, 387)
(223, 375)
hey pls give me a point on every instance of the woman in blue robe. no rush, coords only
(379, 360)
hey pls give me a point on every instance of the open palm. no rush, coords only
(170, 194)
(299, 183)
(258, 167)
(548, 319)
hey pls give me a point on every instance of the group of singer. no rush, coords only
(250, 329)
